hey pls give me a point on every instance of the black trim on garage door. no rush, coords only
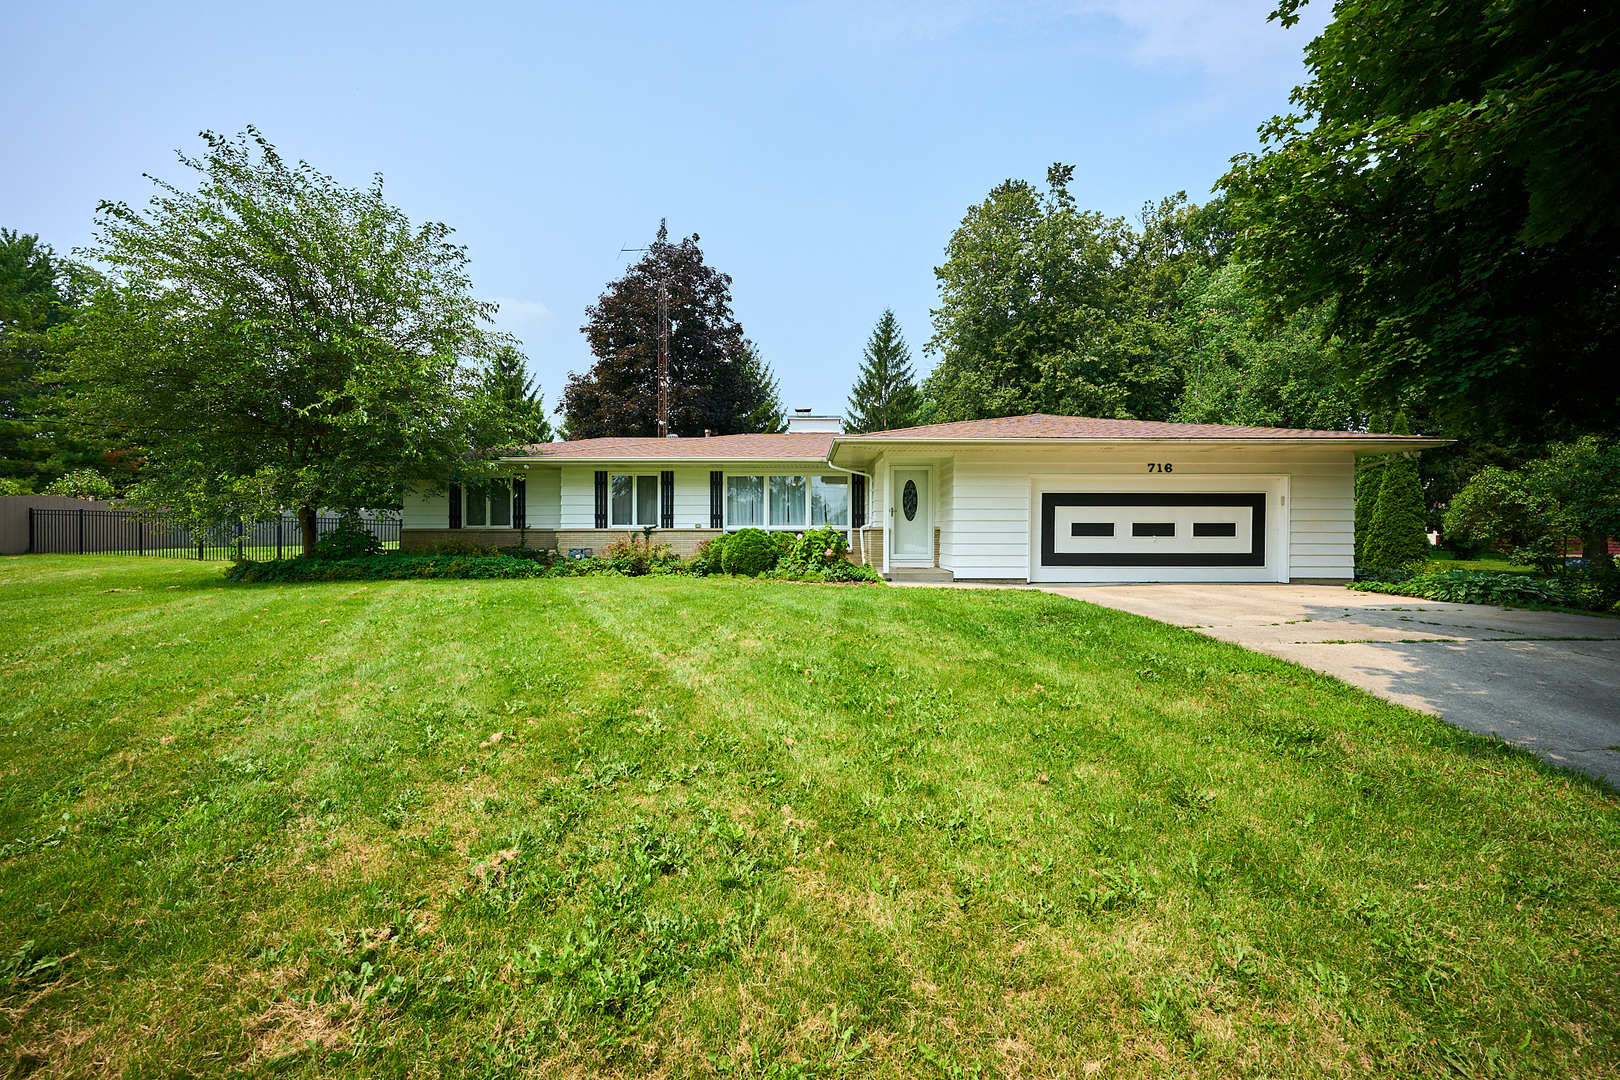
(1050, 501)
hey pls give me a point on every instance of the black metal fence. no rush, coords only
(126, 532)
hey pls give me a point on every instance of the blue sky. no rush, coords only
(824, 152)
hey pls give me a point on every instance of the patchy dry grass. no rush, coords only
(673, 828)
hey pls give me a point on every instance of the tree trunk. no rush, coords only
(307, 526)
(1595, 549)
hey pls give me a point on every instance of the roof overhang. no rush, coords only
(855, 447)
(665, 462)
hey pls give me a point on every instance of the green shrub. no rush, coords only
(350, 540)
(824, 547)
(12, 486)
(709, 556)
(80, 484)
(544, 556)
(459, 547)
(1396, 537)
(1592, 588)
(1369, 480)
(635, 557)
(785, 543)
(386, 568)
(1576, 589)
(749, 552)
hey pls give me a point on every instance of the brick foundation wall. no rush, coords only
(874, 547)
(684, 541)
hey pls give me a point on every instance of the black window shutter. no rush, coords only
(666, 500)
(455, 506)
(601, 499)
(520, 504)
(857, 501)
(717, 494)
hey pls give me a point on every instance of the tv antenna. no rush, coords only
(662, 407)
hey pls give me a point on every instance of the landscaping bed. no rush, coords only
(1574, 589)
(818, 555)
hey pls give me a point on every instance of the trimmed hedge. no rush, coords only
(750, 553)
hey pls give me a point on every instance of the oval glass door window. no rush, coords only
(908, 500)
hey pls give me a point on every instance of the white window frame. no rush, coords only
(635, 501)
(467, 492)
(765, 475)
(837, 480)
(804, 501)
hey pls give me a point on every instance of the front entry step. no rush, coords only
(920, 575)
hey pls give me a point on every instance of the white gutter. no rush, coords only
(1372, 444)
(611, 459)
(868, 524)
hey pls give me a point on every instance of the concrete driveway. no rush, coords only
(1545, 681)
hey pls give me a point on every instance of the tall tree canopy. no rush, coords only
(273, 338)
(713, 382)
(1238, 369)
(39, 293)
(517, 394)
(885, 393)
(1449, 186)
(761, 406)
(1045, 307)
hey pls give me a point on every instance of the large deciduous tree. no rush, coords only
(1024, 293)
(1238, 369)
(275, 339)
(1045, 307)
(714, 383)
(1449, 187)
(885, 393)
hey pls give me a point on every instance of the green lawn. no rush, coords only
(1441, 559)
(672, 827)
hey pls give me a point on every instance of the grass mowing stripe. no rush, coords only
(758, 828)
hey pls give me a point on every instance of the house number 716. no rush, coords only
(1161, 466)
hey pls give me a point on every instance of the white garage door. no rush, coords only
(1228, 528)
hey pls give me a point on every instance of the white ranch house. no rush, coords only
(1021, 498)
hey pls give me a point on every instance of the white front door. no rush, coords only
(913, 523)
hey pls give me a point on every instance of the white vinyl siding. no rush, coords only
(987, 529)
(430, 509)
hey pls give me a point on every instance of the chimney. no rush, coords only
(708, 432)
(804, 420)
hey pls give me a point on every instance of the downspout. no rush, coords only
(868, 525)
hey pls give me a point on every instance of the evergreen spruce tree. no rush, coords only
(760, 405)
(885, 394)
(1396, 537)
(1369, 479)
(518, 397)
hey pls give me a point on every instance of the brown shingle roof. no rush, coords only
(814, 446)
(806, 445)
(1043, 426)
